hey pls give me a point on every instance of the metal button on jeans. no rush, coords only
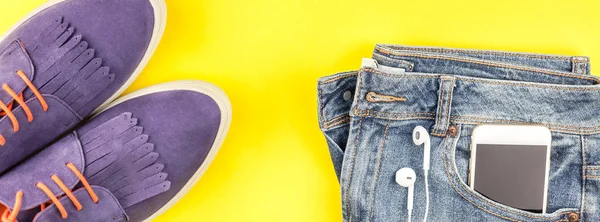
(347, 96)
(573, 217)
(452, 131)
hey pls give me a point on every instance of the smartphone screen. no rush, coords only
(513, 175)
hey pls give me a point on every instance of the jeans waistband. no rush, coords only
(575, 64)
(452, 99)
(539, 68)
(467, 86)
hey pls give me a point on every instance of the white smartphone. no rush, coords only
(510, 165)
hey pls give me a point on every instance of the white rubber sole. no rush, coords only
(160, 21)
(224, 106)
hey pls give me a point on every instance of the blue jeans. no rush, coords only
(367, 117)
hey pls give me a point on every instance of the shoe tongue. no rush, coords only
(12, 59)
(40, 168)
(107, 208)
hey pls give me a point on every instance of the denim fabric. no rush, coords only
(449, 92)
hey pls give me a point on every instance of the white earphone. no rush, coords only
(421, 136)
(406, 177)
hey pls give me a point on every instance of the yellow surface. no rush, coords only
(268, 54)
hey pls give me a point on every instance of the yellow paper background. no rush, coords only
(268, 54)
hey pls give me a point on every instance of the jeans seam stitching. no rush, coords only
(352, 171)
(380, 156)
(477, 120)
(374, 97)
(467, 79)
(448, 102)
(440, 108)
(345, 120)
(358, 90)
(501, 65)
(397, 117)
(556, 129)
(321, 109)
(519, 121)
(481, 52)
(583, 88)
(408, 76)
(403, 62)
(558, 125)
(401, 114)
(338, 78)
(575, 65)
(337, 118)
(584, 172)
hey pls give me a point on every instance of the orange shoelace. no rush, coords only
(9, 216)
(7, 109)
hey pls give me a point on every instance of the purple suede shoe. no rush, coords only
(65, 60)
(132, 161)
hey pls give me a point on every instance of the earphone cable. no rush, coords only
(426, 195)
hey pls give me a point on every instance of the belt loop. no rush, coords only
(579, 65)
(442, 117)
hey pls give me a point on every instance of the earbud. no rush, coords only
(421, 136)
(406, 177)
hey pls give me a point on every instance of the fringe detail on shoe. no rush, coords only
(120, 158)
(66, 67)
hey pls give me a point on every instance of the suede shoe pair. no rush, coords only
(137, 155)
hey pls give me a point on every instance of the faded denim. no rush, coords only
(449, 92)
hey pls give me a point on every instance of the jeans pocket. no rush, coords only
(456, 155)
(336, 135)
(336, 153)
